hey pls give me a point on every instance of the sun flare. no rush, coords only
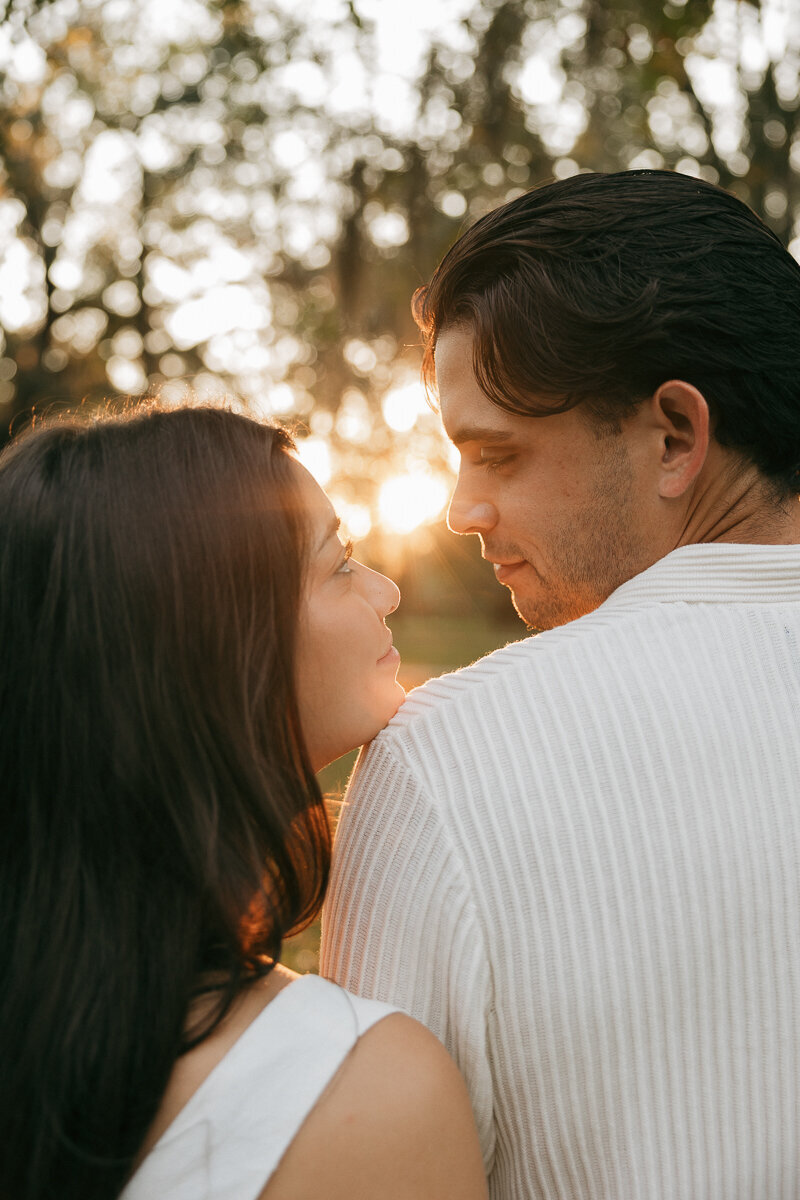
(407, 501)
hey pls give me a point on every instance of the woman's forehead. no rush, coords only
(316, 505)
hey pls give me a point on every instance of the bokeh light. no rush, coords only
(315, 455)
(356, 518)
(406, 501)
(249, 195)
(403, 405)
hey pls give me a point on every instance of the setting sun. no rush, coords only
(406, 501)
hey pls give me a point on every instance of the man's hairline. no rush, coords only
(601, 426)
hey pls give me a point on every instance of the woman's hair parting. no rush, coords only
(162, 828)
(596, 289)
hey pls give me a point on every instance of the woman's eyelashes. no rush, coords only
(343, 566)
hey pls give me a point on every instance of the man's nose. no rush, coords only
(470, 514)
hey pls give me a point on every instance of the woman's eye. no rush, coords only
(344, 567)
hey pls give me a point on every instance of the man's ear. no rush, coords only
(681, 416)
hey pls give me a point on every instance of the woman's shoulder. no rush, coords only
(395, 1121)
(308, 1090)
(251, 1083)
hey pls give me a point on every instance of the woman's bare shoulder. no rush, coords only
(395, 1123)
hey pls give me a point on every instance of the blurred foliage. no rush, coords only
(433, 645)
(249, 193)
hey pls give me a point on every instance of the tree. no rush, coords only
(222, 189)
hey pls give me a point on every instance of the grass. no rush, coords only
(446, 643)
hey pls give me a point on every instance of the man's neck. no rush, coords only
(743, 507)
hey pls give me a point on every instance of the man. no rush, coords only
(578, 860)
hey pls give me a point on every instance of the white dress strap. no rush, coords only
(231, 1135)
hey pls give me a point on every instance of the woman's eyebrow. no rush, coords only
(331, 529)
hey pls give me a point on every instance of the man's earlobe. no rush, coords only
(682, 419)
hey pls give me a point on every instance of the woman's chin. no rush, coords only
(393, 703)
(392, 706)
(400, 695)
(369, 729)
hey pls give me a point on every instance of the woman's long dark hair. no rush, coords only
(161, 829)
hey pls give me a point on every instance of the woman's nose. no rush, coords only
(391, 595)
(382, 592)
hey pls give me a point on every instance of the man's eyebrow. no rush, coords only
(480, 433)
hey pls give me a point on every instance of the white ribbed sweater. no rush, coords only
(578, 862)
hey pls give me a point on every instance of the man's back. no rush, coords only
(579, 863)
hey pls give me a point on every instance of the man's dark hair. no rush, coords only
(597, 289)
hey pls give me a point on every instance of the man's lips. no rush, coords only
(506, 571)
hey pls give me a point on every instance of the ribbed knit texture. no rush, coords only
(578, 862)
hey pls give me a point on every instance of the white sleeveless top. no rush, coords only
(227, 1141)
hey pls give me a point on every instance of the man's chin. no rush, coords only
(530, 612)
(539, 606)
(541, 613)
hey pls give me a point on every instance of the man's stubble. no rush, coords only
(592, 554)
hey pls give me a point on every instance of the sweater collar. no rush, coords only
(716, 573)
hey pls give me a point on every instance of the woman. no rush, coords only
(185, 642)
